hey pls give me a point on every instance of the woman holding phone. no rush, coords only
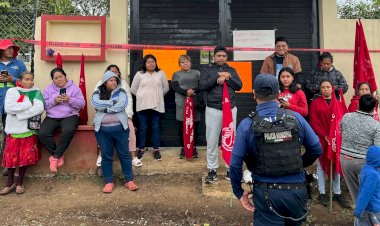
(63, 100)
(291, 97)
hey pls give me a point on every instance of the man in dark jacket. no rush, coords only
(211, 81)
(273, 144)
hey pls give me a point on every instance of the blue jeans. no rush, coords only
(109, 138)
(321, 181)
(145, 117)
(288, 203)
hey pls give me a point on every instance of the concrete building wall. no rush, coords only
(116, 32)
(340, 34)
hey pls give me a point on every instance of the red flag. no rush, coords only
(83, 115)
(228, 131)
(59, 61)
(188, 127)
(338, 109)
(363, 70)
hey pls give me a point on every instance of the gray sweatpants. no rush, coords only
(213, 121)
(351, 171)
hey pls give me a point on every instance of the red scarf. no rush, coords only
(228, 132)
(338, 109)
(188, 127)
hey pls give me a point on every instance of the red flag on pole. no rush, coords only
(59, 61)
(363, 70)
(338, 109)
(83, 115)
(228, 131)
(188, 127)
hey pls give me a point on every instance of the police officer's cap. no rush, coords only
(266, 84)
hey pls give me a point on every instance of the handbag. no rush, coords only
(34, 123)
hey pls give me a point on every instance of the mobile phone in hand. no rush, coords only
(4, 73)
(62, 91)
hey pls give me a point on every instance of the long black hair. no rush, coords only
(293, 86)
(146, 57)
(105, 94)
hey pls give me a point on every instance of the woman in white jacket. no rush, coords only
(21, 103)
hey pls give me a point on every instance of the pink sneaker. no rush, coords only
(61, 161)
(53, 164)
(108, 188)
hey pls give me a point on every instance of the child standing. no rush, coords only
(368, 202)
(21, 103)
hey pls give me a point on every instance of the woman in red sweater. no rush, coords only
(320, 115)
(290, 96)
(362, 89)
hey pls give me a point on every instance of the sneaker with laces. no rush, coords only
(140, 153)
(228, 175)
(322, 199)
(157, 155)
(343, 202)
(136, 162)
(195, 153)
(211, 177)
(182, 153)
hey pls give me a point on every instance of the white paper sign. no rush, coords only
(253, 39)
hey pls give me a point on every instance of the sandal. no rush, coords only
(108, 188)
(131, 186)
(20, 189)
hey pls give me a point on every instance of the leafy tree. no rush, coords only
(352, 9)
(92, 7)
(59, 7)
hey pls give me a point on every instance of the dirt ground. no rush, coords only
(171, 199)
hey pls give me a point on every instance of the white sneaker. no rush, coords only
(247, 176)
(136, 162)
(99, 161)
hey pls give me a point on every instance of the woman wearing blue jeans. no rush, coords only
(149, 86)
(111, 129)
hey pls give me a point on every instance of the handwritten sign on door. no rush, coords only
(253, 39)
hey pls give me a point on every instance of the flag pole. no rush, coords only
(331, 186)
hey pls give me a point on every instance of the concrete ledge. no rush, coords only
(80, 156)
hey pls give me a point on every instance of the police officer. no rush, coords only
(271, 138)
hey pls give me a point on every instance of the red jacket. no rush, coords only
(297, 101)
(354, 105)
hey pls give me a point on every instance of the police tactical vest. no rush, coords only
(278, 148)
